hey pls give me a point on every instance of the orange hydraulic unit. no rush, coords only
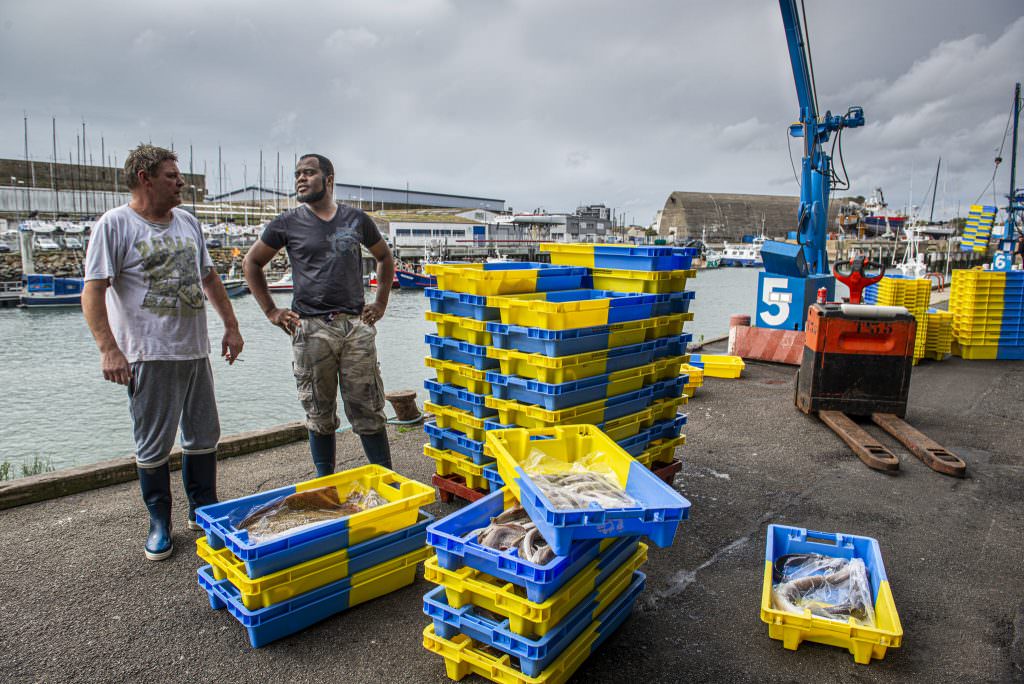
(857, 359)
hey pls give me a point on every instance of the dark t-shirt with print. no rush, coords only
(327, 264)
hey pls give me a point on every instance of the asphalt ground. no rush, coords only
(80, 603)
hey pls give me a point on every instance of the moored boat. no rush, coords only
(47, 291)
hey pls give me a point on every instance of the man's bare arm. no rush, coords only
(258, 256)
(385, 277)
(232, 343)
(94, 307)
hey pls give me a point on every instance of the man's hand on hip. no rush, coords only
(231, 345)
(285, 319)
(372, 313)
(115, 367)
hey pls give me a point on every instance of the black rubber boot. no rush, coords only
(156, 493)
(199, 475)
(378, 451)
(323, 449)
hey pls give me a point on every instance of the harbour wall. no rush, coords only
(67, 481)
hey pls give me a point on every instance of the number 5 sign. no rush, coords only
(782, 301)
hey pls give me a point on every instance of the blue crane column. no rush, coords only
(793, 273)
(1008, 233)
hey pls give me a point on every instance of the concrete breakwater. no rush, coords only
(68, 263)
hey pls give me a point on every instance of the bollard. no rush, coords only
(736, 320)
(404, 404)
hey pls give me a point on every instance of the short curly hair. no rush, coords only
(145, 158)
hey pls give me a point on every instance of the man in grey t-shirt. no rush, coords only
(146, 271)
(331, 326)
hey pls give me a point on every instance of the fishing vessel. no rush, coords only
(284, 284)
(46, 291)
(410, 279)
(747, 254)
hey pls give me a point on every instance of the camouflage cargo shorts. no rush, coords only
(338, 353)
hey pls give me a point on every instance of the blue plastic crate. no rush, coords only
(551, 396)
(549, 342)
(450, 349)
(674, 345)
(672, 303)
(494, 481)
(447, 438)
(668, 389)
(266, 625)
(534, 654)
(666, 429)
(452, 540)
(656, 513)
(696, 360)
(644, 258)
(463, 399)
(458, 304)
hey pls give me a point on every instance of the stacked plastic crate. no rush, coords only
(939, 343)
(988, 313)
(277, 584)
(978, 228)
(610, 357)
(460, 354)
(513, 620)
(914, 294)
(694, 378)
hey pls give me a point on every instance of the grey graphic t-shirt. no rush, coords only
(155, 300)
(327, 264)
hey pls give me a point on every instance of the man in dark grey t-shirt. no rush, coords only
(331, 326)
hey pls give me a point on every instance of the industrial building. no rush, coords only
(727, 216)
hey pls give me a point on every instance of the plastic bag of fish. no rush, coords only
(586, 482)
(302, 509)
(831, 588)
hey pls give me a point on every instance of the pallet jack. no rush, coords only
(857, 360)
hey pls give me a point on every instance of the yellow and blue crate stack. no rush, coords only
(988, 314)
(595, 337)
(283, 560)
(978, 228)
(914, 294)
(534, 607)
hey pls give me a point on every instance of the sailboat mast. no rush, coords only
(53, 172)
(1013, 150)
(935, 191)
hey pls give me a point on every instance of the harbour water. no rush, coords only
(57, 407)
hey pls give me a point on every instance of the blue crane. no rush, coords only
(804, 269)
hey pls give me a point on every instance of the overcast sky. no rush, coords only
(543, 103)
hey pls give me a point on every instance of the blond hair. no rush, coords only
(145, 158)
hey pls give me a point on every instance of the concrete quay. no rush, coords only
(79, 602)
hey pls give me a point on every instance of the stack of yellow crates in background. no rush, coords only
(978, 228)
(988, 314)
(939, 343)
(914, 294)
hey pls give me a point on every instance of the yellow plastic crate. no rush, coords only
(453, 463)
(722, 366)
(473, 279)
(461, 328)
(512, 412)
(572, 254)
(864, 643)
(276, 587)
(535, 311)
(460, 374)
(466, 586)
(552, 369)
(649, 282)
(661, 451)
(977, 352)
(664, 409)
(463, 421)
